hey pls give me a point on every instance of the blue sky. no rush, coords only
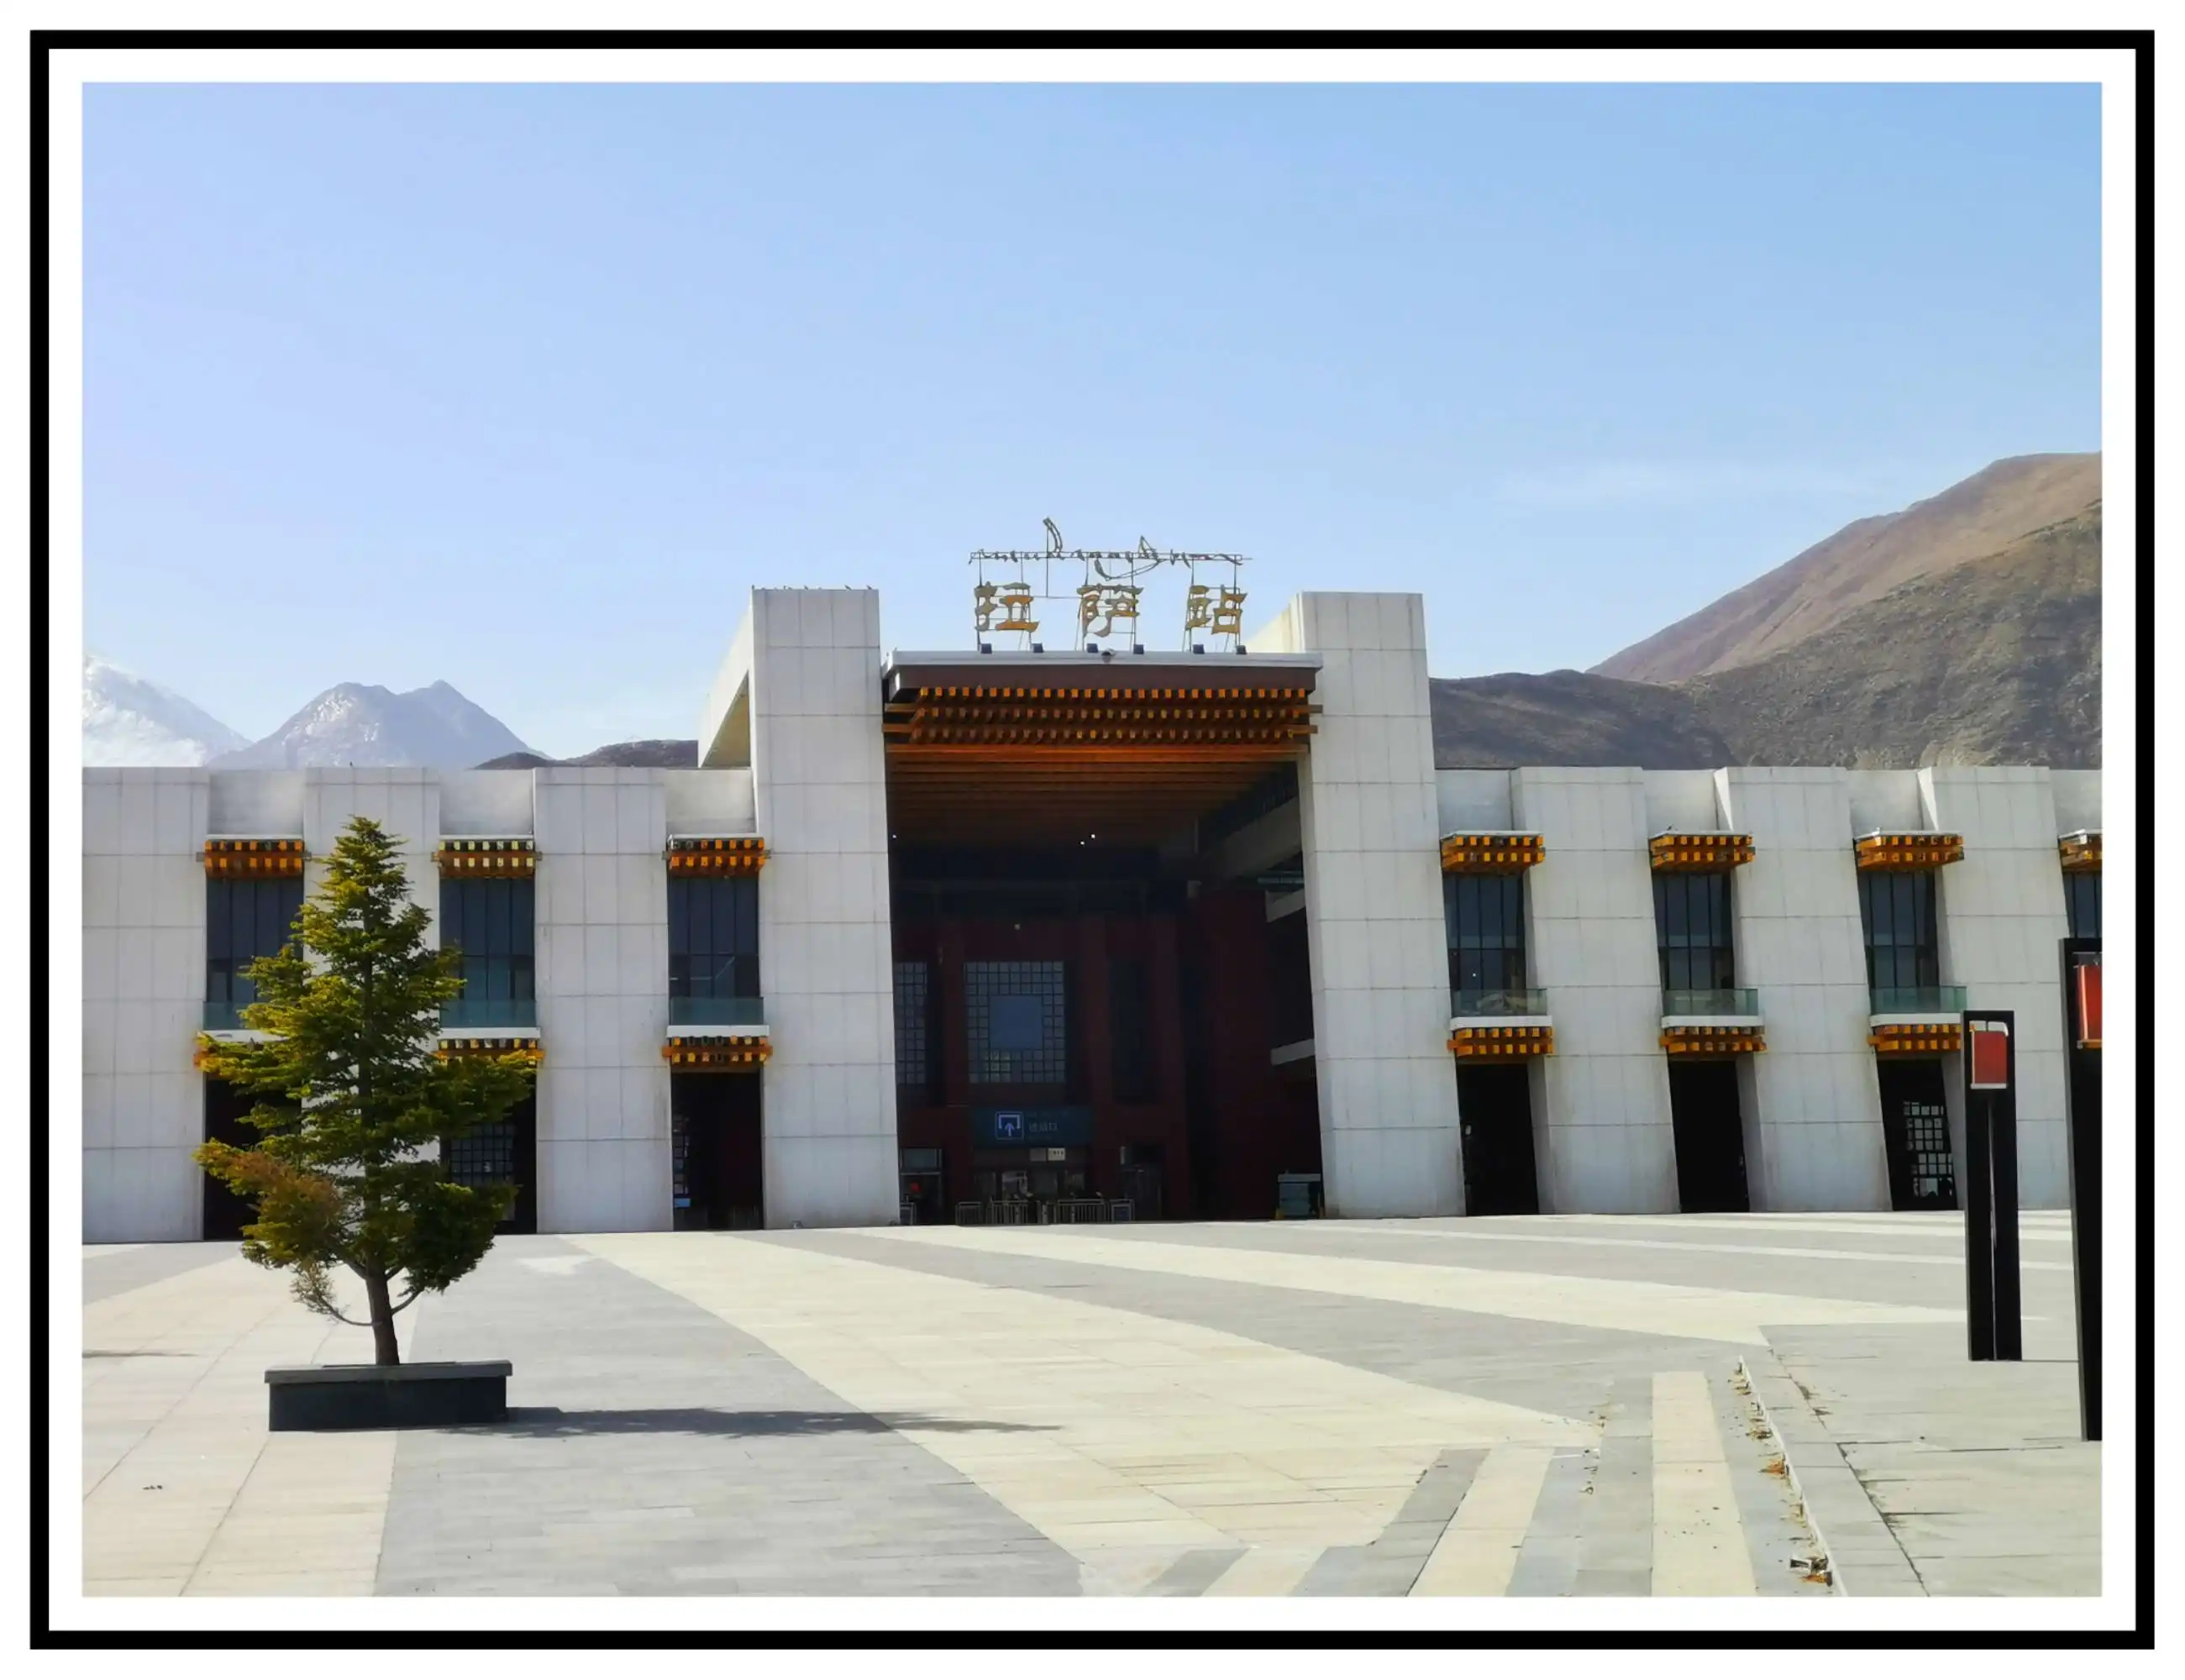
(523, 386)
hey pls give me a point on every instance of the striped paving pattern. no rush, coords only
(1525, 1408)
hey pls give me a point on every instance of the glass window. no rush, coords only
(2082, 902)
(489, 922)
(1014, 1018)
(1692, 927)
(1486, 923)
(912, 1028)
(1897, 909)
(244, 921)
(712, 937)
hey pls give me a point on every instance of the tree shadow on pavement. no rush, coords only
(550, 1421)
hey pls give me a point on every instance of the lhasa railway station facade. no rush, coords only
(1020, 936)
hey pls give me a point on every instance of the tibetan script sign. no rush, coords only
(1014, 583)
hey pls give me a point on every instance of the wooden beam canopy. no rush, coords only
(1502, 1044)
(253, 859)
(1908, 851)
(1064, 765)
(1481, 854)
(1698, 854)
(489, 857)
(1921, 1038)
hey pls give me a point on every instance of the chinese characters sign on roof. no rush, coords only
(1021, 590)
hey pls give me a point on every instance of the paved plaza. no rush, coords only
(1540, 1407)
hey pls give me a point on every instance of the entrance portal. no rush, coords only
(925, 1187)
(503, 1153)
(1916, 1131)
(718, 1159)
(225, 1214)
(1495, 1110)
(1710, 1136)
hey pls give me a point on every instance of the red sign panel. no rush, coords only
(1988, 1043)
(2088, 983)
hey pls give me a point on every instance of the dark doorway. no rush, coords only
(225, 1214)
(925, 1186)
(1710, 1136)
(1139, 1179)
(1494, 1110)
(718, 1158)
(505, 1151)
(1916, 1129)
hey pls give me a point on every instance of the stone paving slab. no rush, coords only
(116, 1269)
(1311, 1411)
(1973, 1472)
(676, 1455)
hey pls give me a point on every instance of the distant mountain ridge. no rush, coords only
(433, 728)
(128, 720)
(655, 755)
(1994, 659)
(1998, 662)
(1868, 558)
(1974, 655)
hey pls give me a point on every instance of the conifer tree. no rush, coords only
(353, 1096)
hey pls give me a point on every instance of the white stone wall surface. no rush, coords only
(826, 947)
(1467, 800)
(1602, 1138)
(1999, 922)
(404, 802)
(601, 981)
(1811, 1101)
(143, 999)
(1367, 803)
(495, 802)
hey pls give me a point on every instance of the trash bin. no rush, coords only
(1297, 1195)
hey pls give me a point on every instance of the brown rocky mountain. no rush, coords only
(1998, 662)
(1864, 561)
(1569, 718)
(1992, 661)
(1973, 655)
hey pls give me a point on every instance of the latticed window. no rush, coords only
(2082, 902)
(245, 920)
(1014, 1015)
(1486, 918)
(913, 1024)
(490, 922)
(485, 1155)
(1897, 907)
(712, 936)
(1691, 925)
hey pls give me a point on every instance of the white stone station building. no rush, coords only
(1020, 935)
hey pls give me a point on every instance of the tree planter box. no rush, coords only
(388, 1396)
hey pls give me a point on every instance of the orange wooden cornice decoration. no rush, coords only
(1698, 853)
(730, 855)
(1713, 1040)
(1490, 854)
(1265, 718)
(1923, 1038)
(253, 859)
(490, 1049)
(1908, 851)
(2081, 853)
(709, 1055)
(1502, 1044)
(500, 858)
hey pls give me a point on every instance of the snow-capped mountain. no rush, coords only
(362, 723)
(128, 721)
